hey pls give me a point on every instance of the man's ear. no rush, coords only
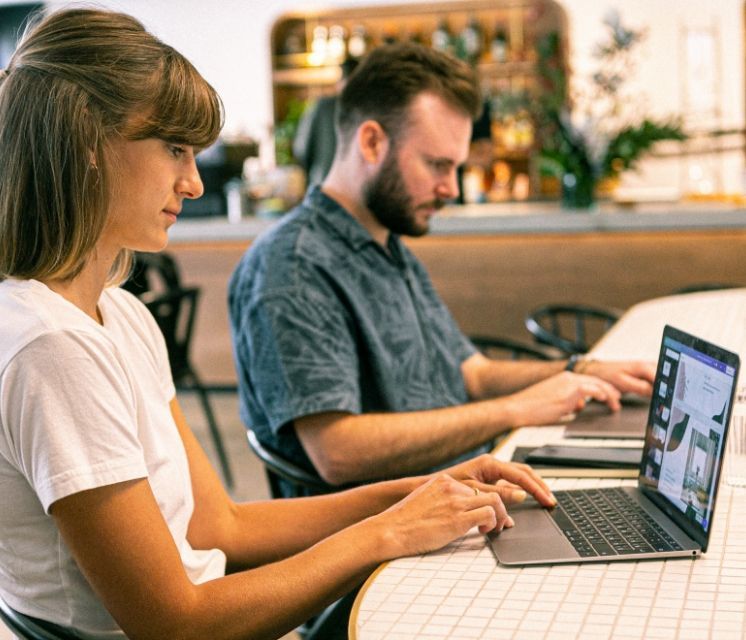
(372, 141)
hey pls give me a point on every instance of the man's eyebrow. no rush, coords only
(438, 159)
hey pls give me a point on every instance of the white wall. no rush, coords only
(228, 40)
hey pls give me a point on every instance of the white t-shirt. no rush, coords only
(81, 406)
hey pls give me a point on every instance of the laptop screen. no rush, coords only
(685, 437)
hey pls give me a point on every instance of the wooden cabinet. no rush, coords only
(499, 37)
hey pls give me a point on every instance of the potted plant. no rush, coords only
(586, 137)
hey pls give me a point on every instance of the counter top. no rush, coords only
(514, 218)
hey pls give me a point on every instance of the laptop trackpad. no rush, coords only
(535, 538)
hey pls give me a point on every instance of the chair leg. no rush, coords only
(214, 431)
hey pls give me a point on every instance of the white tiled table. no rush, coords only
(461, 592)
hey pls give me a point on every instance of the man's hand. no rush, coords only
(556, 399)
(627, 377)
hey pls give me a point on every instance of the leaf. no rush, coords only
(626, 147)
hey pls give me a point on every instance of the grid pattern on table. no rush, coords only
(460, 592)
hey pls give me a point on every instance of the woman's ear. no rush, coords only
(372, 142)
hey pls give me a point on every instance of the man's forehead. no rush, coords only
(444, 129)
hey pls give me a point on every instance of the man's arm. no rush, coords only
(351, 448)
(487, 378)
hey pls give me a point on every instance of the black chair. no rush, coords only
(29, 628)
(302, 483)
(156, 281)
(571, 328)
(277, 468)
(508, 349)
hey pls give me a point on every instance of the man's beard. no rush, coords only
(386, 197)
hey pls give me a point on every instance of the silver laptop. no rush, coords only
(597, 421)
(670, 511)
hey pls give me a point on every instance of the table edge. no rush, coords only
(352, 624)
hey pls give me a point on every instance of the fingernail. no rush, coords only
(519, 495)
(510, 522)
(552, 498)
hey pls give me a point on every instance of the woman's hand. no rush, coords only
(436, 513)
(447, 505)
(510, 480)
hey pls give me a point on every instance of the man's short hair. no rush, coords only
(392, 76)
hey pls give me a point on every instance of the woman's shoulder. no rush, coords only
(30, 312)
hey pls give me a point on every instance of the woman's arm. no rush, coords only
(121, 542)
(240, 530)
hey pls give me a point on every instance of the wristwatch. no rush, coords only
(573, 361)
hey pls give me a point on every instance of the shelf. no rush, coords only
(299, 78)
(307, 76)
(492, 69)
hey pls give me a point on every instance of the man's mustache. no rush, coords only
(436, 204)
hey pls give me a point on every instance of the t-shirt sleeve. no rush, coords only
(69, 413)
(298, 349)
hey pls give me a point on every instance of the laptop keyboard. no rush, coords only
(608, 522)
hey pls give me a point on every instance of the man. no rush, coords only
(348, 361)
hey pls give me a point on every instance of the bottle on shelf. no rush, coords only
(335, 45)
(524, 130)
(319, 45)
(357, 45)
(470, 41)
(499, 45)
(294, 41)
(442, 38)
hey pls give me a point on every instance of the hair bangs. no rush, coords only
(186, 109)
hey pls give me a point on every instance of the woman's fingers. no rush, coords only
(521, 477)
(488, 511)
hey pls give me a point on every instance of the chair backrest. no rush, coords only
(508, 349)
(156, 280)
(276, 467)
(29, 628)
(174, 312)
(571, 328)
(153, 272)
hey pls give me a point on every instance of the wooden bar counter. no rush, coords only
(493, 263)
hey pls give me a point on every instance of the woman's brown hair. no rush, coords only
(78, 78)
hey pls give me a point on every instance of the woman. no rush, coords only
(113, 521)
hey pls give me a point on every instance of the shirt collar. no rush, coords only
(344, 225)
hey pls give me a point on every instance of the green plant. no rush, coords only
(285, 130)
(589, 133)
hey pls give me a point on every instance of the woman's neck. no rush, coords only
(84, 290)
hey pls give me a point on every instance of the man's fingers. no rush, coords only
(597, 389)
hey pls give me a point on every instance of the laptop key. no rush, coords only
(603, 549)
(606, 522)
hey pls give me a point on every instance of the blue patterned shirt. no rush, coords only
(324, 319)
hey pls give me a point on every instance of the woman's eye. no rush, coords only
(176, 150)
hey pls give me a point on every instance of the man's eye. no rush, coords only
(176, 150)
